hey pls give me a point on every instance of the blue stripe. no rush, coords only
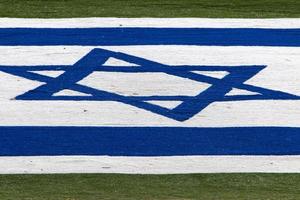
(150, 36)
(147, 141)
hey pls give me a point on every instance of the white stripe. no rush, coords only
(282, 73)
(150, 22)
(149, 165)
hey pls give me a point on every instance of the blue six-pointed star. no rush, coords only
(190, 106)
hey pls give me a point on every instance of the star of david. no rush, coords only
(190, 106)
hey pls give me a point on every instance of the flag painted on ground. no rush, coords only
(149, 95)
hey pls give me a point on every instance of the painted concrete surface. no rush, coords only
(113, 95)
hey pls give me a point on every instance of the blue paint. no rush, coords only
(190, 106)
(150, 36)
(147, 141)
(159, 141)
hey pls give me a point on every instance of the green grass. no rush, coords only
(150, 187)
(150, 8)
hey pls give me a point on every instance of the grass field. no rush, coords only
(142, 187)
(150, 8)
(171, 187)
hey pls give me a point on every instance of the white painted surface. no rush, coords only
(70, 93)
(119, 63)
(236, 91)
(150, 22)
(143, 84)
(282, 73)
(166, 104)
(214, 74)
(149, 165)
(49, 73)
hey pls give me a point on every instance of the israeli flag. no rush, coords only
(109, 95)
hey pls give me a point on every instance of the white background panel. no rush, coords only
(282, 73)
(149, 165)
(150, 22)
